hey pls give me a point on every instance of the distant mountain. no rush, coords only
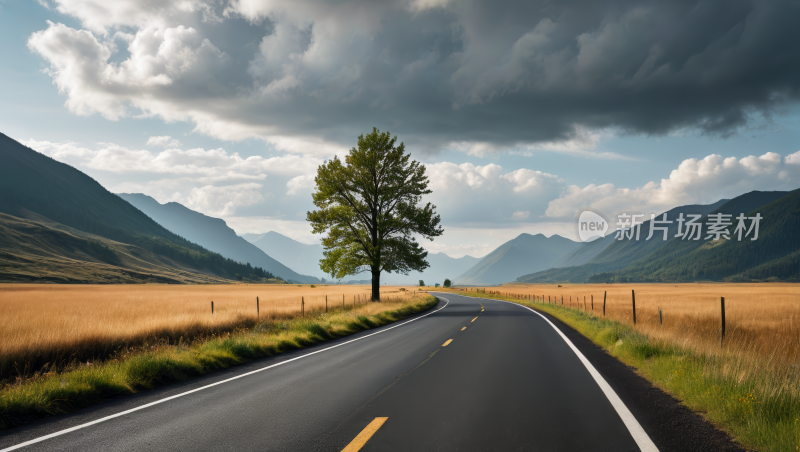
(776, 253)
(44, 191)
(305, 258)
(523, 255)
(656, 259)
(585, 252)
(46, 251)
(615, 254)
(252, 237)
(212, 234)
(441, 267)
(302, 257)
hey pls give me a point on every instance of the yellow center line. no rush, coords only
(446, 343)
(462, 329)
(474, 319)
(362, 438)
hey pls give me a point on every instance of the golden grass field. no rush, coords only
(43, 324)
(762, 319)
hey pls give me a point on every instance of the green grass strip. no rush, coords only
(78, 388)
(750, 408)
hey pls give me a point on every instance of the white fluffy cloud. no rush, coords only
(158, 58)
(300, 184)
(223, 201)
(212, 165)
(470, 193)
(695, 181)
(214, 181)
(164, 141)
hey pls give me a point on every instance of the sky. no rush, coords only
(524, 112)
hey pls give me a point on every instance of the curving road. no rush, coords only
(507, 379)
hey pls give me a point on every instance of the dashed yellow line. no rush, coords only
(474, 319)
(447, 343)
(362, 438)
(462, 329)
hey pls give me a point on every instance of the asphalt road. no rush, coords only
(509, 380)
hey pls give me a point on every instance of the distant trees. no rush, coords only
(421, 283)
(446, 282)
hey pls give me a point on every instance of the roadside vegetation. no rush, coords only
(79, 383)
(749, 385)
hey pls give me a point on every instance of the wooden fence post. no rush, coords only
(342, 301)
(326, 303)
(302, 306)
(604, 302)
(212, 307)
(722, 324)
(660, 318)
(633, 299)
(584, 303)
(592, 303)
(258, 309)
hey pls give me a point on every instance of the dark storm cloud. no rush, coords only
(494, 72)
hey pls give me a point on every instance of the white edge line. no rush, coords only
(637, 432)
(123, 413)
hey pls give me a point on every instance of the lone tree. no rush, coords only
(371, 206)
(446, 283)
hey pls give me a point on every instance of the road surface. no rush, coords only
(473, 375)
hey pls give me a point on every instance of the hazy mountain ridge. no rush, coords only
(522, 255)
(628, 259)
(776, 253)
(212, 234)
(305, 258)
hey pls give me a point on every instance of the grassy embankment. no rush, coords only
(80, 385)
(755, 397)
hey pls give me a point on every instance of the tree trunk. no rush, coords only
(376, 284)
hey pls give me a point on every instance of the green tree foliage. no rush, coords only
(447, 282)
(421, 283)
(370, 205)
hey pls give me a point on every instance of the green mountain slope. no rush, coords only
(617, 254)
(774, 255)
(522, 255)
(585, 252)
(38, 188)
(212, 234)
(44, 251)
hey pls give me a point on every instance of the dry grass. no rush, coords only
(52, 325)
(762, 320)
